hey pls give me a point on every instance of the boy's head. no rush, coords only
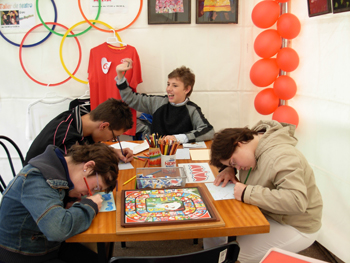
(186, 76)
(226, 141)
(114, 114)
(102, 162)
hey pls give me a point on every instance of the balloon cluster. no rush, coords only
(274, 57)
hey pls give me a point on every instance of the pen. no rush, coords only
(248, 175)
(87, 186)
(132, 178)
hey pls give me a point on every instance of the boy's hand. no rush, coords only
(226, 175)
(123, 67)
(127, 157)
(97, 199)
(170, 138)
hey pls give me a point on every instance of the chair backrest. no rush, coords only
(4, 138)
(227, 253)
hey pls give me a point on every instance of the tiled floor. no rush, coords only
(158, 248)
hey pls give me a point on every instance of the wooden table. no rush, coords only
(239, 218)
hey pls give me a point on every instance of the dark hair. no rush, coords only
(185, 75)
(116, 112)
(225, 143)
(106, 161)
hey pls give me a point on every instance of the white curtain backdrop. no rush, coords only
(221, 57)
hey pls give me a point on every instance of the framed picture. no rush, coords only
(169, 12)
(145, 207)
(216, 11)
(319, 7)
(341, 6)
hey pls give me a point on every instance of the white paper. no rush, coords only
(183, 154)
(125, 166)
(108, 203)
(198, 172)
(135, 147)
(195, 145)
(221, 193)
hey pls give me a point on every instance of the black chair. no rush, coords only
(227, 253)
(4, 138)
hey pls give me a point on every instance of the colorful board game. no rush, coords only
(146, 207)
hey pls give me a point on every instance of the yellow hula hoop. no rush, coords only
(64, 37)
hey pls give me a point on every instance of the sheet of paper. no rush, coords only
(198, 172)
(200, 155)
(194, 145)
(108, 203)
(135, 147)
(183, 154)
(125, 166)
(221, 193)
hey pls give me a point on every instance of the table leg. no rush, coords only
(230, 239)
(101, 250)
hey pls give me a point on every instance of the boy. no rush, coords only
(174, 115)
(35, 217)
(274, 176)
(107, 121)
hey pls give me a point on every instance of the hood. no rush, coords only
(275, 134)
(51, 167)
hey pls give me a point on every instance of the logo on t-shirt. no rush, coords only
(105, 65)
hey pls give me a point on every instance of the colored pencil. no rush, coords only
(120, 146)
(248, 175)
(87, 186)
(132, 178)
(139, 158)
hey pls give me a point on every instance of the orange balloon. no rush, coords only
(288, 26)
(286, 114)
(264, 72)
(267, 43)
(285, 87)
(287, 59)
(265, 14)
(266, 101)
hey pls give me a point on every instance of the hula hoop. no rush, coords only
(58, 34)
(41, 41)
(108, 31)
(64, 37)
(20, 56)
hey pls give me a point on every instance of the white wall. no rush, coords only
(221, 57)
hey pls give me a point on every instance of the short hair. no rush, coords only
(116, 112)
(185, 75)
(106, 161)
(225, 143)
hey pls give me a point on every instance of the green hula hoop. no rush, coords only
(58, 34)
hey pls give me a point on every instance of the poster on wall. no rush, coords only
(319, 7)
(216, 11)
(341, 6)
(169, 12)
(17, 15)
(110, 6)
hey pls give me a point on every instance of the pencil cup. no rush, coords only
(154, 156)
(168, 161)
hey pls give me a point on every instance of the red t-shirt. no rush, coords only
(102, 74)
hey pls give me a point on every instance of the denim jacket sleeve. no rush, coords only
(45, 204)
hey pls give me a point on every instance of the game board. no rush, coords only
(165, 206)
